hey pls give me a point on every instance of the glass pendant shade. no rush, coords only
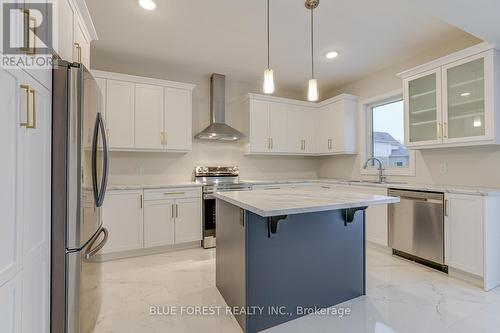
(268, 81)
(312, 94)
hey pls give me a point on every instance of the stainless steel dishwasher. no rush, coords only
(416, 227)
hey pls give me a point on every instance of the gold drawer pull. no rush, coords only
(174, 193)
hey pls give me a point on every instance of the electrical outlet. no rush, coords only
(443, 168)
(139, 168)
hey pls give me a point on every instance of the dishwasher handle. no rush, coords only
(435, 201)
(432, 197)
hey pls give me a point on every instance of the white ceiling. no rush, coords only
(229, 36)
(478, 17)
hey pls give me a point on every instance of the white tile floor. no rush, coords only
(401, 297)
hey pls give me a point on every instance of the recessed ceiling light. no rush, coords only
(465, 94)
(332, 54)
(147, 4)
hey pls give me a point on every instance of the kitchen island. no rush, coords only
(285, 253)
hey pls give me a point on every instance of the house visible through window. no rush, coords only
(387, 135)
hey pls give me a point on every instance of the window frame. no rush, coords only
(366, 121)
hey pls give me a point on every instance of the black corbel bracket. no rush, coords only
(272, 224)
(348, 214)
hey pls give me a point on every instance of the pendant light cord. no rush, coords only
(312, 44)
(268, 51)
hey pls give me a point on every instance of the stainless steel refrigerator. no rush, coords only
(80, 160)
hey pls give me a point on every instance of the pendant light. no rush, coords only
(268, 73)
(312, 93)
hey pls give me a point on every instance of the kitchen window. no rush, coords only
(385, 136)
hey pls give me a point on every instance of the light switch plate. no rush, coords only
(443, 168)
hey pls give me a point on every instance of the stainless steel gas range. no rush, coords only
(216, 179)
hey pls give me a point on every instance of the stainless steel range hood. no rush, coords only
(218, 129)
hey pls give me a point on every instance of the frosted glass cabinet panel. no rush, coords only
(423, 107)
(465, 100)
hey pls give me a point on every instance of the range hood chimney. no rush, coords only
(218, 129)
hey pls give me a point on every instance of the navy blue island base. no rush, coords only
(271, 270)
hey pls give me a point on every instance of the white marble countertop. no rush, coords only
(295, 201)
(457, 189)
(153, 186)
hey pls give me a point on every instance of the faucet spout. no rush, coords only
(381, 176)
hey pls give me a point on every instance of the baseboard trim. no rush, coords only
(146, 251)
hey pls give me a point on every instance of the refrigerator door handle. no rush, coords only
(100, 189)
(92, 251)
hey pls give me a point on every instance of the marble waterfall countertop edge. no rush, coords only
(295, 201)
(153, 186)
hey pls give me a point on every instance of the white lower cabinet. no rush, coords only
(10, 305)
(138, 219)
(464, 233)
(187, 220)
(159, 222)
(122, 216)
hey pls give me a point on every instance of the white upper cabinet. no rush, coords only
(259, 127)
(75, 31)
(65, 22)
(145, 114)
(82, 44)
(178, 119)
(451, 101)
(286, 126)
(149, 116)
(336, 129)
(423, 105)
(301, 125)
(467, 106)
(278, 127)
(120, 113)
(268, 126)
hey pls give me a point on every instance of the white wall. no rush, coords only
(479, 166)
(146, 168)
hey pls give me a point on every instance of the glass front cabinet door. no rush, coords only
(467, 104)
(423, 105)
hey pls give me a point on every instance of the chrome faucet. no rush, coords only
(381, 176)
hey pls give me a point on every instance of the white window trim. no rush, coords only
(365, 131)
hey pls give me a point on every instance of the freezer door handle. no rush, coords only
(100, 189)
(91, 250)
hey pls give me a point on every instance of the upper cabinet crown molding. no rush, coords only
(142, 80)
(87, 19)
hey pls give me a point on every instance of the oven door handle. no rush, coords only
(208, 196)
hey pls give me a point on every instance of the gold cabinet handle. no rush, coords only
(27, 20)
(33, 108)
(174, 193)
(172, 209)
(27, 90)
(445, 130)
(176, 210)
(445, 207)
(79, 52)
(439, 130)
(30, 105)
(140, 201)
(162, 138)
